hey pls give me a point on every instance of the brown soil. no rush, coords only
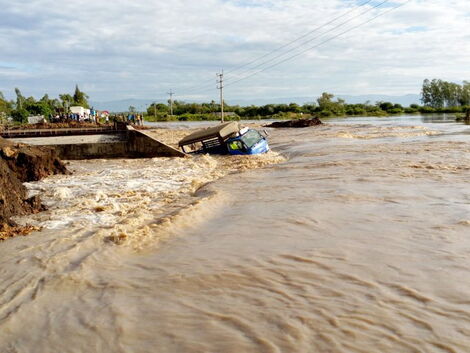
(68, 125)
(298, 123)
(20, 163)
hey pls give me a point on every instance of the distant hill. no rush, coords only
(142, 104)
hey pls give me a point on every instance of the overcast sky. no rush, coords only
(143, 48)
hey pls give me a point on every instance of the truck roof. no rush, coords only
(222, 131)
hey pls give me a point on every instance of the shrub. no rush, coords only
(20, 115)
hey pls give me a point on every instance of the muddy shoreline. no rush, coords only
(21, 163)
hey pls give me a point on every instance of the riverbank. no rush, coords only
(19, 164)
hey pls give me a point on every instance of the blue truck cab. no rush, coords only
(225, 138)
(249, 141)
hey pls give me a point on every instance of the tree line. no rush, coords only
(23, 107)
(437, 96)
(324, 106)
(442, 94)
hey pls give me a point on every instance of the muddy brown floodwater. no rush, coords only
(350, 237)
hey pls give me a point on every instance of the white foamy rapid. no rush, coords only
(120, 195)
(358, 242)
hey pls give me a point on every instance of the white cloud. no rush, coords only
(143, 48)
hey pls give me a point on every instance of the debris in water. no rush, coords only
(298, 123)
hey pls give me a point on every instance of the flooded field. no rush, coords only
(348, 237)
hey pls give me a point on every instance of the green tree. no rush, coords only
(20, 115)
(5, 106)
(19, 98)
(385, 106)
(426, 95)
(465, 94)
(325, 101)
(66, 101)
(294, 108)
(329, 107)
(80, 98)
(159, 108)
(440, 94)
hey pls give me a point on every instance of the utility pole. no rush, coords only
(171, 93)
(155, 110)
(220, 86)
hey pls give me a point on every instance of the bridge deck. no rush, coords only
(121, 141)
(60, 132)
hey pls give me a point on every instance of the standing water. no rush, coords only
(356, 240)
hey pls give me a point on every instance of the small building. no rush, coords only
(83, 114)
(80, 111)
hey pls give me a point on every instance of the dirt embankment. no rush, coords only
(18, 164)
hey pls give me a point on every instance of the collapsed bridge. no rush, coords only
(118, 141)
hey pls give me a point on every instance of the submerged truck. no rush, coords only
(225, 138)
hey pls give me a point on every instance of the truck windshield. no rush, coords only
(251, 138)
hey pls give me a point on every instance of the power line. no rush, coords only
(205, 87)
(201, 89)
(310, 40)
(317, 45)
(310, 48)
(299, 38)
